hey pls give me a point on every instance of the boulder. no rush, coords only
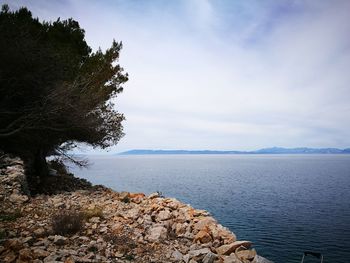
(136, 195)
(164, 215)
(103, 229)
(186, 213)
(198, 252)
(153, 195)
(260, 259)
(172, 203)
(40, 232)
(222, 233)
(231, 259)
(16, 198)
(202, 236)
(157, 233)
(124, 196)
(186, 258)
(246, 254)
(203, 223)
(228, 249)
(59, 240)
(133, 213)
(180, 228)
(177, 255)
(27, 240)
(209, 258)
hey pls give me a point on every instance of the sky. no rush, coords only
(223, 75)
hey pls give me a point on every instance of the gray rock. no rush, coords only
(164, 215)
(83, 238)
(59, 240)
(94, 219)
(157, 233)
(124, 196)
(16, 198)
(198, 252)
(103, 229)
(231, 259)
(209, 258)
(186, 258)
(39, 232)
(177, 255)
(133, 213)
(203, 223)
(42, 243)
(28, 239)
(228, 249)
(260, 259)
(153, 195)
(51, 258)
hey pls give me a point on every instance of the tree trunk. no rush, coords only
(37, 171)
(40, 165)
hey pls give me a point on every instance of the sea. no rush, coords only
(284, 204)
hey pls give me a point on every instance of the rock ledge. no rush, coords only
(111, 227)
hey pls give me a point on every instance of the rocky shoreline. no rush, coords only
(98, 224)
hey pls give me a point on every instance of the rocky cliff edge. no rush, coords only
(101, 225)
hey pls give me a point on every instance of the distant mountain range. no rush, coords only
(273, 150)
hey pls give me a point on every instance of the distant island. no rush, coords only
(273, 150)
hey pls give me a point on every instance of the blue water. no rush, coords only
(285, 204)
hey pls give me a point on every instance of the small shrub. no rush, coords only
(67, 222)
(94, 212)
(126, 200)
(2, 234)
(160, 194)
(10, 216)
(129, 257)
(59, 166)
(93, 249)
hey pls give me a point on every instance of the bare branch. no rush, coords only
(83, 163)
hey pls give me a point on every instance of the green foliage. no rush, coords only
(67, 222)
(54, 91)
(10, 216)
(129, 257)
(160, 194)
(2, 234)
(126, 199)
(58, 165)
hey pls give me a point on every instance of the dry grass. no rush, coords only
(67, 222)
(94, 212)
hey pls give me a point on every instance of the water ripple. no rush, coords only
(285, 204)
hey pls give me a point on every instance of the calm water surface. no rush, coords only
(285, 204)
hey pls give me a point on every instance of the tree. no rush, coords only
(54, 91)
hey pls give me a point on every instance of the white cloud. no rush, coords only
(225, 75)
